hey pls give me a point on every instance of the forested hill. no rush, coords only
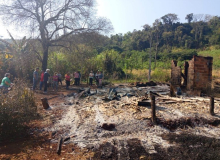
(167, 38)
(167, 32)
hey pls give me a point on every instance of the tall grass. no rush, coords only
(141, 75)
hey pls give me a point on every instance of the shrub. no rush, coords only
(17, 108)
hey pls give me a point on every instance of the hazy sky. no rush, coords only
(127, 15)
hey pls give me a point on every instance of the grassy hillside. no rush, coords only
(215, 53)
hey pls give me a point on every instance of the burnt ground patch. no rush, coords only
(184, 123)
(121, 150)
(185, 147)
(190, 147)
(106, 151)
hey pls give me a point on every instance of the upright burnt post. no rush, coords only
(153, 109)
(45, 103)
(172, 93)
(211, 109)
(186, 67)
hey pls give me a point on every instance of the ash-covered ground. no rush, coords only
(184, 130)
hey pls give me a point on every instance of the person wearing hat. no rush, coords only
(46, 78)
(91, 75)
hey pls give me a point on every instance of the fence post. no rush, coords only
(211, 107)
(153, 109)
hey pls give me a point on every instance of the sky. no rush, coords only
(127, 15)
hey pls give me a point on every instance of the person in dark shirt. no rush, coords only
(46, 78)
(35, 78)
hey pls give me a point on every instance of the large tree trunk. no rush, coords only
(45, 57)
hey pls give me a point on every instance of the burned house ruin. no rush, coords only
(197, 73)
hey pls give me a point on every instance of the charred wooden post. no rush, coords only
(59, 145)
(186, 67)
(211, 109)
(45, 103)
(172, 93)
(153, 109)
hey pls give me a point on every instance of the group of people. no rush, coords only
(98, 78)
(76, 76)
(57, 78)
(45, 78)
(54, 80)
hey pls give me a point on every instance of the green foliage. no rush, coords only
(18, 57)
(160, 75)
(212, 52)
(17, 109)
(180, 55)
(120, 54)
(58, 62)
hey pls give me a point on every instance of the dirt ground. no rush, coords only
(184, 130)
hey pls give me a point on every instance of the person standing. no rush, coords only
(5, 84)
(55, 81)
(100, 79)
(76, 77)
(97, 78)
(46, 78)
(41, 79)
(59, 78)
(35, 78)
(91, 76)
(67, 78)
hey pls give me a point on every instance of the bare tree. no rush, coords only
(51, 21)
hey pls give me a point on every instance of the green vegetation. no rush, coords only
(17, 109)
(118, 56)
(212, 52)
